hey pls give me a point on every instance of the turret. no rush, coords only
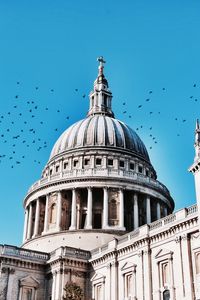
(101, 96)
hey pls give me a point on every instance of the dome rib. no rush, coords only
(97, 131)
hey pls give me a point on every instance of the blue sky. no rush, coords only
(50, 48)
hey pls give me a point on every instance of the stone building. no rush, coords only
(99, 217)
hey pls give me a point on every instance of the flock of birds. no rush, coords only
(21, 128)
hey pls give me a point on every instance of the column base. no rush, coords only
(72, 228)
(121, 228)
(88, 227)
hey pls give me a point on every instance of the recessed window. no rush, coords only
(65, 165)
(75, 163)
(147, 172)
(86, 161)
(110, 162)
(98, 161)
(140, 169)
(51, 171)
(132, 166)
(57, 169)
(121, 164)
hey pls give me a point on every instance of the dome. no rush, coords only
(100, 131)
(98, 183)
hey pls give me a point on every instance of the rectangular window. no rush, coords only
(98, 161)
(65, 165)
(132, 166)
(140, 169)
(51, 171)
(86, 161)
(110, 162)
(147, 172)
(57, 169)
(75, 163)
(121, 164)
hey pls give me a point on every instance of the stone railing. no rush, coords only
(12, 251)
(71, 252)
(174, 217)
(192, 209)
(100, 172)
(145, 230)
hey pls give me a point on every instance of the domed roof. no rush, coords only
(100, 131)
(100, 128)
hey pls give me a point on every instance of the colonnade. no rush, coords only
(31, 229)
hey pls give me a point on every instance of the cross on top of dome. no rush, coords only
(101, 61)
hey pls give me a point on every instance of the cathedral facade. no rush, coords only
(99, 217)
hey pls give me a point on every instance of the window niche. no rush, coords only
(129, 280)
(65, 165)
(110, 162)
(121, 163)
(28, 288)
(98, 161)
(86, 162)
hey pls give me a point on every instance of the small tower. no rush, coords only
(195, 168)
(101, 96)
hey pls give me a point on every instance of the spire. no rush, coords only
(101, 96)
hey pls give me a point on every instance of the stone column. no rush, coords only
(73, 211)
(25, 225)
(148, 209)
(165, 211)
(30, 221)
(158, 210)
(37, 218)
(89, 209)
(59, 211)
(136, 210)
(105, 208)
(46, 217)
(121, 209)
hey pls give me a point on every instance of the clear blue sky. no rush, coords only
(148, 46)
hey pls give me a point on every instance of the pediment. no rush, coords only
(98, 277)
(162, 253)
(128, 266)
(29, 281)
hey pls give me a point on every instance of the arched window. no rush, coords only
(53, 214)
(166, 295)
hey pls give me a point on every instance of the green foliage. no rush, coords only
(72, 291)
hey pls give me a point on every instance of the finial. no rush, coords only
(101, 61)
